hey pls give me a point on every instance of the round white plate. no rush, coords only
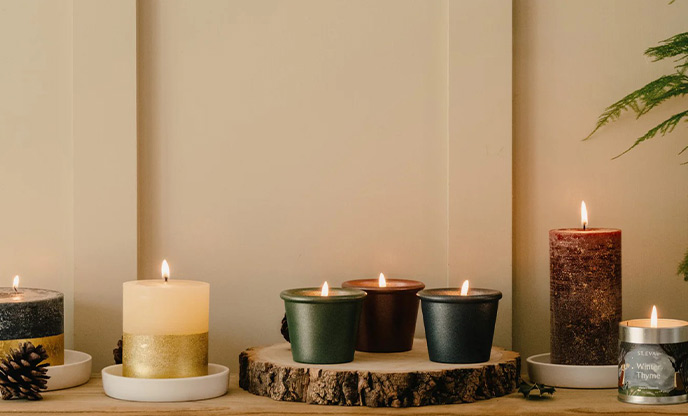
(541, 370)
(165, 389)
(75, 371)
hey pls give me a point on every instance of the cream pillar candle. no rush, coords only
(165, 325)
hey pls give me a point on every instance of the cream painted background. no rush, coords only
(282, 144)
(36, 153)
(571, 60)
(278, 144)
(68, 145)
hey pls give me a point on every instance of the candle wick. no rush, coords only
(15, 290)
(584, 225)
(165, 279)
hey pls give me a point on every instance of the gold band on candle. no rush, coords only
(165, 356)
(54, 346)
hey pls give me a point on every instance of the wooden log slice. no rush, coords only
(377, 380)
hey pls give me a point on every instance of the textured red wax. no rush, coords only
(585, 295)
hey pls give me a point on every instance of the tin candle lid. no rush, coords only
(653, 330)
(640, 331)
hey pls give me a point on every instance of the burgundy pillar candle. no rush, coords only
(585, 294)
(390, 310)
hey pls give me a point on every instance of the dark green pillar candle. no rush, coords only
(35, 315)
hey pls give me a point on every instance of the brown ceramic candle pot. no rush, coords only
(388, 320)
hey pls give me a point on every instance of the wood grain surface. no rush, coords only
(89, 399)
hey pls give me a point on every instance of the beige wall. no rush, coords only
(68, 158)
(36, 156)
(279, 145)
(571, 60)
(105, 184)
(479, 154)
(285, 143)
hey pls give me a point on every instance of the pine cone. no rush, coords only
(117, 352)
(21, 375)
(285, 328)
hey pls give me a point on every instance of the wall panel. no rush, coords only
(36, 155)
(105, 185)
(283, 144)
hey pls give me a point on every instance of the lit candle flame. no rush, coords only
(325, 290)
(584, 215)
(464, 288)
(382, 281)
(165, 270)
(653, 317)
(15, 283)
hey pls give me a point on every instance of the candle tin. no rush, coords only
(653, 362)
(388, 319)
(459, 329)
(323, 329)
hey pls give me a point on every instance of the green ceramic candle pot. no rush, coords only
(323, 329)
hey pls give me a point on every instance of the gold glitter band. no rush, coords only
(165, 356)
(54, 346)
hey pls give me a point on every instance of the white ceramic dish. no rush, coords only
(541, 370)
(165, 389)
(75, 371)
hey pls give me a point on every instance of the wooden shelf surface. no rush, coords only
(89, 399)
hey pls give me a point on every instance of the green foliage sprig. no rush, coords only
(683, 267)
(535, 391)
(644, 99)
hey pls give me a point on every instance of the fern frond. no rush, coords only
(681, 69)
(674, 46)
(683, 267)
(666, 126)
(644, 99)
(676, 86)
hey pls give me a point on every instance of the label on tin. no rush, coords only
(653, 370)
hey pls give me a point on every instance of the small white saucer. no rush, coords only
(165, 389)
(541, 370)
(75, 371)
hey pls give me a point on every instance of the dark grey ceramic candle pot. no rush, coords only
(459, 329)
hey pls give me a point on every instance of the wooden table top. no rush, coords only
(89, 399)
